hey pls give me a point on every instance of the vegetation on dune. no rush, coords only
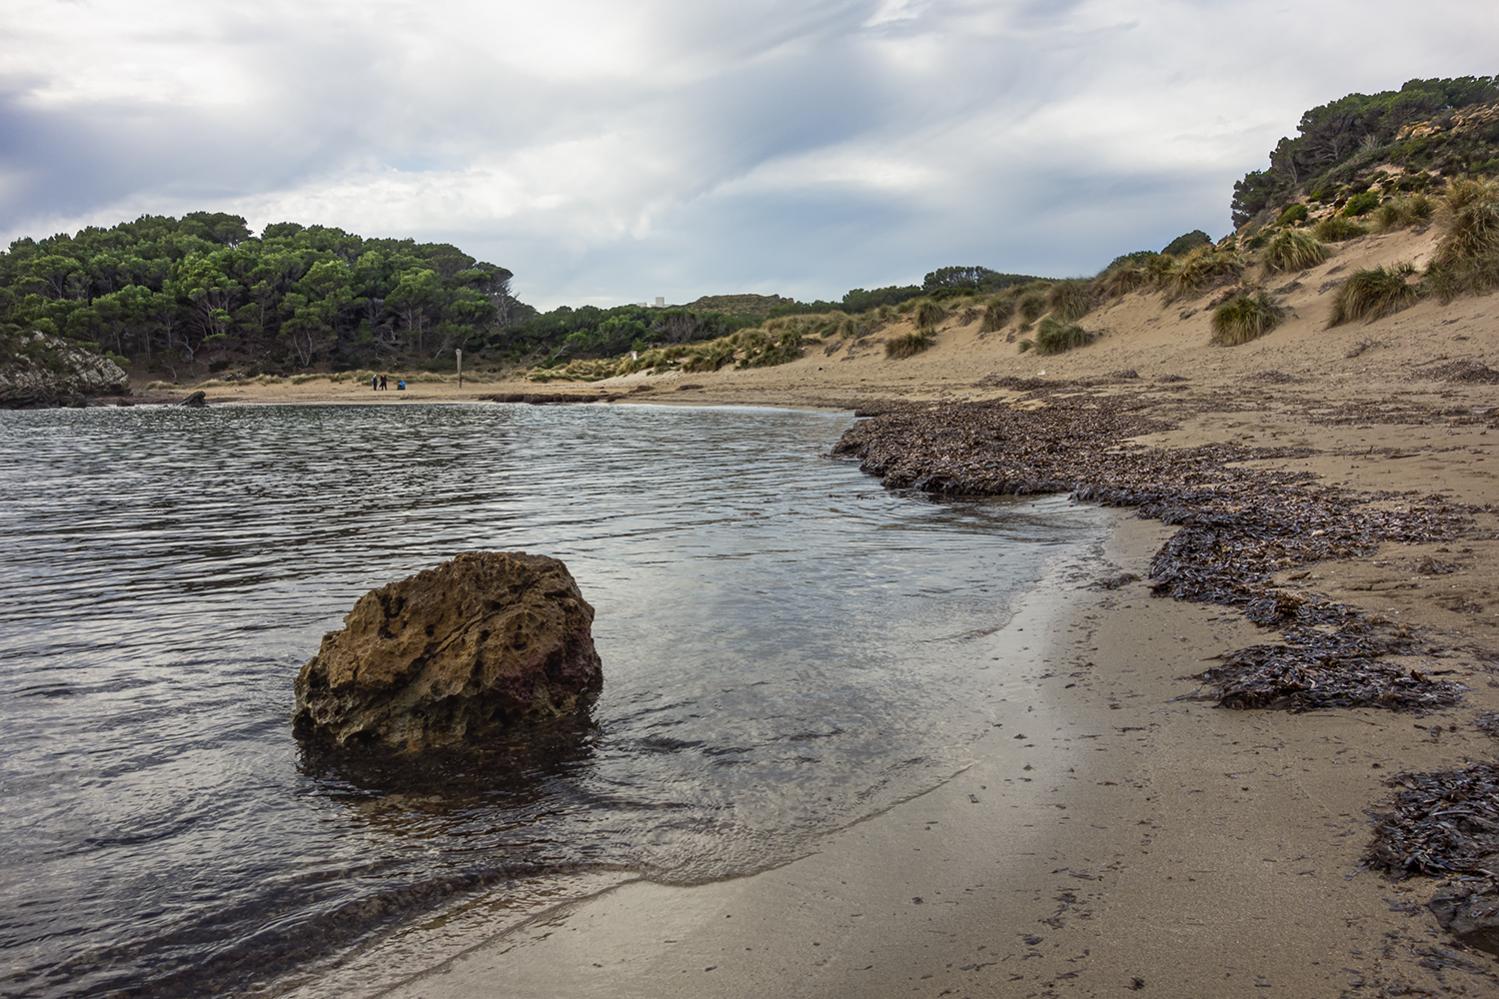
(1032, 305)
(1373, 294)
(1336, 229)
(1337, 140)
(1121, 278)
(1293, 250)
(909, 344)
(997, 313)
(1070, 300)
(1398, 213)
(1055, 337)
(929, 314)
(1203, 268)
(1466, 261)
(1246, 317)
(1294, 214)
(1360, 204)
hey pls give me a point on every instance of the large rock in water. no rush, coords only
(41, 370)
(453, 656)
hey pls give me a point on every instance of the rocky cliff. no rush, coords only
(41, 370)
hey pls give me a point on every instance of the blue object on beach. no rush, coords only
(401, 385)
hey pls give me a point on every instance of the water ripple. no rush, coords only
(783, 644)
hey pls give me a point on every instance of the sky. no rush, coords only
(609, 152)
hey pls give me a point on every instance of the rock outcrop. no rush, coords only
(41, 370)
(453, 656)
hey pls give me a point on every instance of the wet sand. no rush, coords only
(1110, 837)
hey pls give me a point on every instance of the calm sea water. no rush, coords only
(787, 647)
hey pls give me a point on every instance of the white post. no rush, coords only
(459, 352)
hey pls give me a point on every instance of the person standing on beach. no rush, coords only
(383, 384)
(374, 383)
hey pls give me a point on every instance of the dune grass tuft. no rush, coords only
(1055, 337)
(1070, 300)
(1372, 294)
(1293, 250)
(1466, 261)
(929, 314)
(1336, 229)
(1246, 317)
(1398, 213)
(909, 344)
(1032, 306)
(1203, 268)
(997, 314)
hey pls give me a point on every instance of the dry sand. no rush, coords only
(1156, 844)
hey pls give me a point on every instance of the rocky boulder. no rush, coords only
(41, 370)
(453, 656)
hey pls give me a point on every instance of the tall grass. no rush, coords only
(908, 344)
(1032, 306)
(1466, 261)
(1055, 337)
(1246, 317)
(1336, 229)
(997, 314)
(1069, 300)
(1295, 250)
(929, 314)
(1203, 268)
(1372, 294)
(1398, 213)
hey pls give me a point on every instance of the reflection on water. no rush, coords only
(783, 646)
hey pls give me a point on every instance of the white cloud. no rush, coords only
(607, 151)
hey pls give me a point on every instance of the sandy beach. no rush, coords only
(1116, 833)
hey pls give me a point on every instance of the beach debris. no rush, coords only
(1446, 824)
(456, 655)
(196, 400)
(1313, 670)
(1463, 373)
(1239, 526)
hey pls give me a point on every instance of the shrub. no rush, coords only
(1187, 242)
(1361, 204)
(1336, 229)
(1401, 212)
(1203, 268)
(1466, 261)
(908, 344)
(1293, 214)
(1055, 337)
(997, 313)
(1069, 300)
(1032, 306)
(1246, 317)
(1371, 294)
(1295, 250)
(929, 314)
(1025, 345)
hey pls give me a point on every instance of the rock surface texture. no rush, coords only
(41, 370)
(453, 656)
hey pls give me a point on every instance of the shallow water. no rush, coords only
(787, 647)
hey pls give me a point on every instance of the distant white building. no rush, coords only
(660, 302)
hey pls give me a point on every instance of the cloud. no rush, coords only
(608, 152)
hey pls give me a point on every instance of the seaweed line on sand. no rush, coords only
(1238, 527)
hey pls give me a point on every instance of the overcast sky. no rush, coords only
(610, 151)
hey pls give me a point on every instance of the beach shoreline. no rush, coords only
(1134, 840)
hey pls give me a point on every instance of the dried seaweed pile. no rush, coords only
(1239, 527)
(1463, 372)
(1446, 824)
(1441, 823)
